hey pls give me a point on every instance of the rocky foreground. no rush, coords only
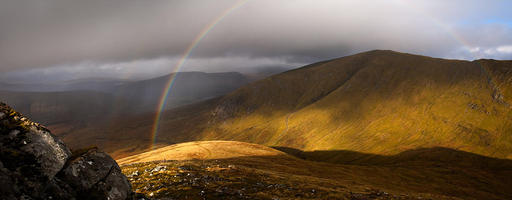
(239, 170)
(34, 164)
(217, 179)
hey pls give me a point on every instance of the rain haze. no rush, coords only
(132, 39)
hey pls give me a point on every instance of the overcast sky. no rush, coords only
(144, 38)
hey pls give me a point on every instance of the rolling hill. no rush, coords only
(204, 150)
(378, 102)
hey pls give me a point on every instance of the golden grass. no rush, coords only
(378, 102)
(435, 173)
(202, 150)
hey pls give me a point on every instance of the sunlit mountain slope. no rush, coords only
(378, 102)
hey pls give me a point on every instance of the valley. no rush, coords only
(263, 100)
(375, 125)
(379, 102)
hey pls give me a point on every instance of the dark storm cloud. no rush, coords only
(48, 32)
(67, 33)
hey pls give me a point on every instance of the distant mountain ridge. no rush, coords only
(92, 100)
(90, 84)
(187, 87)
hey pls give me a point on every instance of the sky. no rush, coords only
(137, 39)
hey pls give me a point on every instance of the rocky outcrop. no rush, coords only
(96, 174)
(36, 165)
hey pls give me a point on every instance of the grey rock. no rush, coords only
(159, 168)
(49, 151)
(34, 164)
(114, 187)
(6, 180)
(79, 173)
(97, 175)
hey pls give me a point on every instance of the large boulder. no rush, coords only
(34, 164)
(97, 176)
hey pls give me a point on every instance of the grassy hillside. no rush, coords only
(202, 150)
(376, 102)
(236, 170)
(379, 102)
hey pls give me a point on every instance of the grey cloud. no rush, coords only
(143, 69)
(43, 33)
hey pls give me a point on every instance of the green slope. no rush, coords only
(380, 102)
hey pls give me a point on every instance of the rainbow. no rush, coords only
(181, 62)
(238, 4)
(456, 36)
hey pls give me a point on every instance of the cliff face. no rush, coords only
(36, 165)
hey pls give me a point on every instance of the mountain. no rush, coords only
(90, 84)
(81, 102)
(374, 125)
(60, 107)
(36, 164)
(185, 79)
(262, 72)
(238, 170)
(379, 102)
(188, 87)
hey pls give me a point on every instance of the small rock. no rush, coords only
(135, 173)
(159, 168)
(13, 133)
